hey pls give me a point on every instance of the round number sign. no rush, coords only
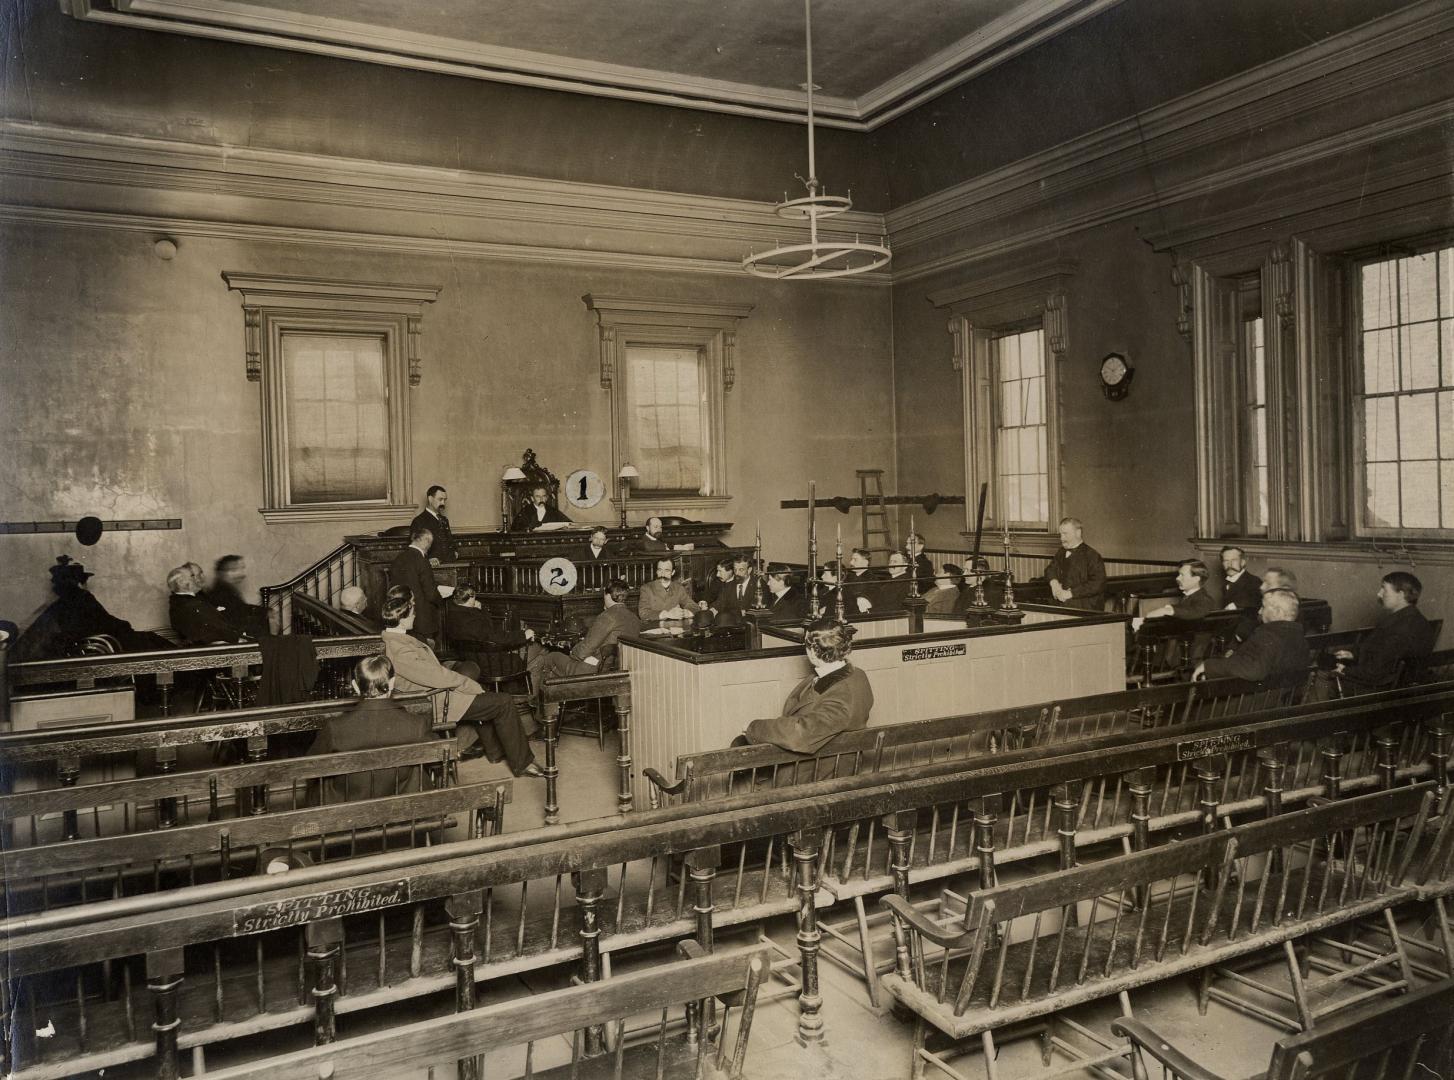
(558, 576)
(584, 489)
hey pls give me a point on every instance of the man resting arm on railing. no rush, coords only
(834, 699)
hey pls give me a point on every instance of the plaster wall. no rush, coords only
(123, 393)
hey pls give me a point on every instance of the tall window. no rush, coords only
(336, 411)
(1405, 394)
(1254, 424)
(668, 419)
(1022, 472)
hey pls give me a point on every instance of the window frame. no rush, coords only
(708, 327)
(280, 305)
(984, 383)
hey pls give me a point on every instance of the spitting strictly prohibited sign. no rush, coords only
(931, 652)
(329, 905)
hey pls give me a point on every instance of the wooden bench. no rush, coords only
(169, 799)
(733, 978)
(1383, 1041)
(582, 892)
(1022, 952)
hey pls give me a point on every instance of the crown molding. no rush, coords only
(1356, 61)
(1028, 24)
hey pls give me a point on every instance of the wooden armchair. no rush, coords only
(1390, 1039)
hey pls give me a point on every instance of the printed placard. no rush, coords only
(1212, 745)
(329, 905)
(932, 652)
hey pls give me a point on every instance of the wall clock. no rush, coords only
(1116, 375)
(584, 489)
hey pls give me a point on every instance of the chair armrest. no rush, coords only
(925, 927)
(659, 782)
(1150, 1041)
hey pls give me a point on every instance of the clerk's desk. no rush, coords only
(686, 699)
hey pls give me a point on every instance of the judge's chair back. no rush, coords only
(517, 492)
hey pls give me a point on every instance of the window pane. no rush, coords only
(1380, 362)
(1416, 436)
(1446, 350)
(336, 416)
(1446, 425)
(1420, 494)
(1021, 467)
(1380, 285)
(1419, 355)
(1381, 496)
(1446, 282)
(1446, 494)
(1032, 362)
(1380, 429)
(666, 418)
(1416, 293)
(1011, 415)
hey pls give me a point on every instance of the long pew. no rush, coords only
(504, 895)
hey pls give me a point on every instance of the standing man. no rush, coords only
(432, 518)
(1076, 574)
(1240, 590)
(411, 569)
(536, 513)
(615, 621)
(663, 598)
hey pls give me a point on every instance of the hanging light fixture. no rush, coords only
(820, 257)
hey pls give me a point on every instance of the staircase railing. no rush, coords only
(322, 581)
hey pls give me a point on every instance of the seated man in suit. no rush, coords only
(411, 569)
(835, 698)
(716, 590)
(651, 540)
(196, 621)
(615, 621)
(356, 602)
(829, 590)
(786, 602)
(1240, 590)
(1077, 573)
(859, 582)
(737, 595)
(1401, 633)
(943, 598)
(1274, 577)
(441, 548)
(598, 549)
(893, 589)
(471, 632)
(1194, 603)
(1276, 647)
(536, 512)
(375, 722)
(228, 578)
(663, 598)
(492, 716)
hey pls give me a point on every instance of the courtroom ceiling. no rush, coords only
(875, 59)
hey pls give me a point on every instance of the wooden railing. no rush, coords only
(1028, 565)
(323, 581)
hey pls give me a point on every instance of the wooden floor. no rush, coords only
(862, 1043)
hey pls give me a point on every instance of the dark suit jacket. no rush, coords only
(198, 622)
(588, 554)
(728, 605)
(371, 724)
(1196, 606)
(527, 520)
(817, 710)
(606, 629)
(73, 615)
(412, 569)
(865, 585)
(443, 546)
(889, 594)
(1399, 635)
(790, 607)
(250, 619)
(1245, 592)
(651, 544)
(1273, 649)
(1083, 572)
(467, 624)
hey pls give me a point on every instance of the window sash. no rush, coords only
(668, 418)
(335, 418)
(1020, 447)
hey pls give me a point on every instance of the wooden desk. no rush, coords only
(686, 701)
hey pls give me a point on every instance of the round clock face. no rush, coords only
(558, 576)
(1113, 369)
(584, 489)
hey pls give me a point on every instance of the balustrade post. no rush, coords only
(1138, 784)
(590, 887)
(986, 813)
(324, 939)
(1273, 766)
(624, 799)
(163, 978)
(1209, 779)
(1332, 757)
(915, 606)
(805, 845)
(165, 681)
(899, 830)
(464, 910)
(257, 750)
(1387, 768)
(550, 718)
(68, 772)
(1438, 729)
(1066, 798)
